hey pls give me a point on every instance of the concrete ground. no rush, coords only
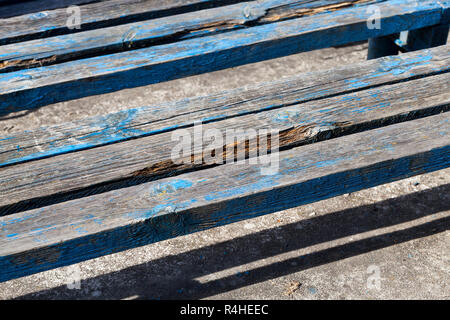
(387, 242)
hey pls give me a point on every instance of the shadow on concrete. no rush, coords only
(174, 277)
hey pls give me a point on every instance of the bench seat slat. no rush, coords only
(82, 229)
(41, 182)
(27, 89)
(96, 15)
(156, 31)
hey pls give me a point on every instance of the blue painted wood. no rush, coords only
(149, 120)
(67, 233)
(96, 15)
(119, 165)
(171, 29)
(28, 89)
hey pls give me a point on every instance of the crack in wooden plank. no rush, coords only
(288, 138)
(35, 62)
(277, 14)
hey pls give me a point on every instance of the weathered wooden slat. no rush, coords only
(82, 229)
(38, 183)
(32, 88)
(96, 15)
(158, 31)
(134, 123)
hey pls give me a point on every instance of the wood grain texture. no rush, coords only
(26, 89)
(96, 15)
(82, 229)
(150, 120)
(158, 31)
(38, 183)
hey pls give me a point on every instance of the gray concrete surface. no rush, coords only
(391, 241)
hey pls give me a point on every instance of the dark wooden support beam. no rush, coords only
(419, 39)
(427, 37)
(382, 47)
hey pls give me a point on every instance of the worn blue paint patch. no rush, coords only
(7, 138)
(355, 83)
(163, 192)
(8, 221)
(169, 207)
(327, 163)
(262, 183)
(312, 290)
(170, 186)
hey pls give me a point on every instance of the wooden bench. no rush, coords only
(80, 190)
